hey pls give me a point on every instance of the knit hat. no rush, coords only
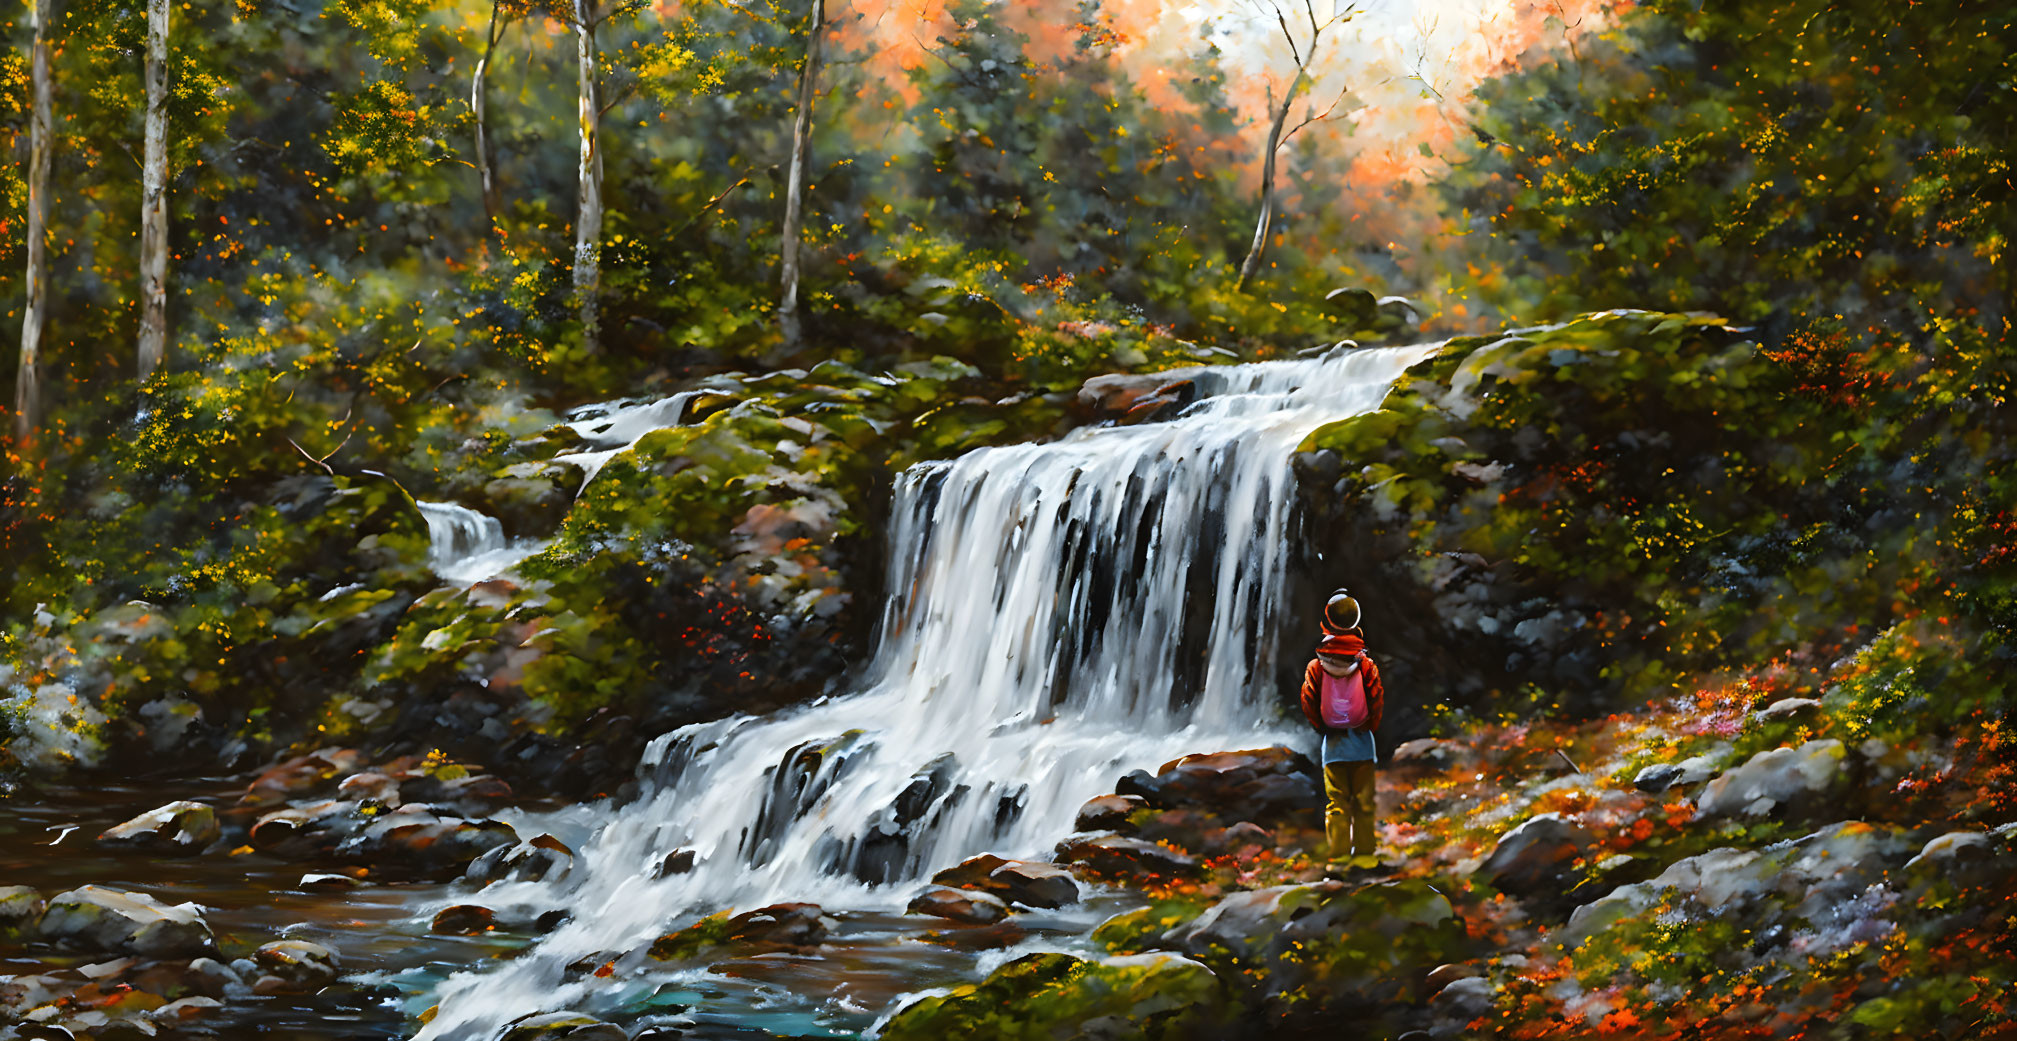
(1341, 612)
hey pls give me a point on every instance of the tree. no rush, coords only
(1304, 55)
(479, 107)
(154, 196)
(794, 200)
(588, 204)
(27, 389)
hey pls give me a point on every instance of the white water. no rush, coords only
(619, 430)
(1059, 614)
(466, 547)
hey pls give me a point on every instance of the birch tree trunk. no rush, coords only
(27, 382)
(1281, 117)
(588, 214)
(154, 197)
(479, 106)
(794, 197)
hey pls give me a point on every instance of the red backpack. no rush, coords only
(1343, 700)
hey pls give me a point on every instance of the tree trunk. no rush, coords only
(27, 382)
(588, 218)
(154, 197)
(479, 106)
(794, 197)
(1281, 117)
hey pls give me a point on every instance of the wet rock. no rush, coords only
(472, 795)
(1536, 855)
(1107, 813)
(424, 846)
(187, 1010)
(555, 1026)
(1162, 402)
(20, 911)
(1115, 395)
(317, 880)
(463, 920)
(1788, 710)
(959, 905)
(534, 860)
(301, 776)
(179, 829)
(1114, 856)
(1025, 882)
(1263, 785)
(1781, 781)
(212, 977)
(1458, 1004)
(1005, 933)
(677, 862)
(303, 965)
(95, 918)
(370, 786)
(795, 925)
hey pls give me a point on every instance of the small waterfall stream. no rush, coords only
(1059, 614)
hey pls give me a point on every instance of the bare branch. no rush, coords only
(1317, 117)
(1289, 36)
(711, 204)
(304, 454)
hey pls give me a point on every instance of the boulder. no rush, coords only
(1782, 780)
(94, 918)
(572, 1026)
(301, 776)
(1263, 785)
(533, 860)
(795, 925)
(1810, 880)
(422, 845)
(959, 905)
(1457, 1005)
(1656, 778)
(1107, 813)
(1429, 752)
(463, 920)
(1537, 855)
(1788, 710)
(1052, 995)
(1025, 882)
(303, 965)
(20, 911)
(177, 829)
(212, 977)
(1117, 857)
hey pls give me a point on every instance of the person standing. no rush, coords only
(1342, 698)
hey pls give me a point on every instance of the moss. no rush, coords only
(1042, 996)
(693, 940)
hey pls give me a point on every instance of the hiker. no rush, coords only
(1343, 699)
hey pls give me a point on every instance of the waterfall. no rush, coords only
(620, 429)
(465, 546)
(1059, 614)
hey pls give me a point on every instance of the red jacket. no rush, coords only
(1313, 683)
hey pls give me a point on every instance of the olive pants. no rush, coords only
(1348, 810)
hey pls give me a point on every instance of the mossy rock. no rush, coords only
(1038, 997)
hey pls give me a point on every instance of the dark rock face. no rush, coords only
(303, 966)
(533, 860)
(20, 913)
(1107, 812)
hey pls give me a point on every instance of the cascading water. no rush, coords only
(619, 430)
(1059, 614)
(465, 546)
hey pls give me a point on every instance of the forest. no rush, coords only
(804, 518)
